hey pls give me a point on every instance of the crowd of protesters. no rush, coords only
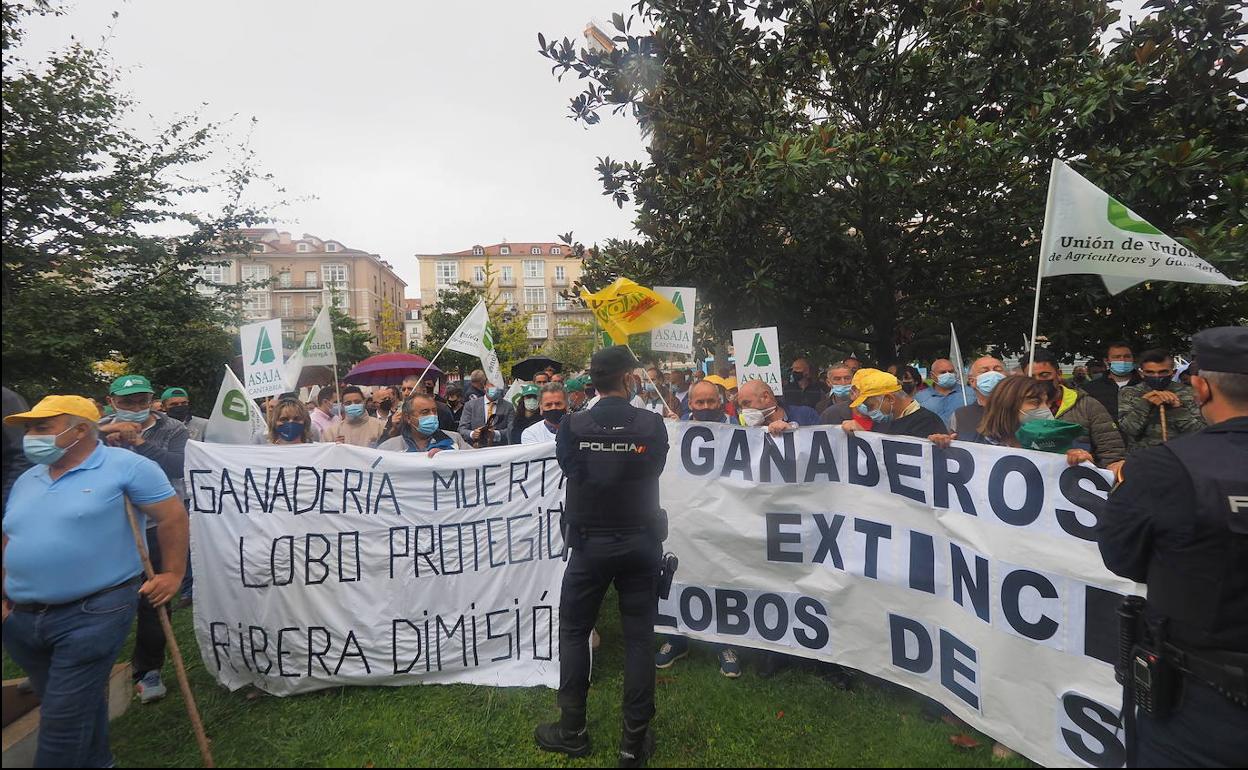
(133, 448)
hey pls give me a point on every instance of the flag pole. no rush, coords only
(430, 366)
(1044, 251)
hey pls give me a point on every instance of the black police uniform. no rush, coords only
(611, 456)
(1178, 521)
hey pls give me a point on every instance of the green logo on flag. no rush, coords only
(1119, 216)
(487, 339)
(234, 406)
(758, 353)
(680, 305)
(264, 349)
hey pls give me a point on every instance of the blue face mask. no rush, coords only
(354, 411)
(42, 450)
(947, 380)
(986, 382)
(876, 415)
(124, 415)
(1122, 368)
(494, 393)
(841, 391)
(289, 431)
(428, 425)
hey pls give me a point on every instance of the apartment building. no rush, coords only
(528, 278)
(413, 323)
(303, 274)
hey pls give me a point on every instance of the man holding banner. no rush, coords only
(611, 456)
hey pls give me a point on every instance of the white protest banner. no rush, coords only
(317, 349)
(677, 336)
(758, 356)
(235, 419)
(264, 372)
(968, 574)
(326, 564)
(1088, 231)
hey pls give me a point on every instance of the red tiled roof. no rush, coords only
(410, 303)
(517, 249)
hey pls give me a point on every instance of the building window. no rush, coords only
(537, 325)
(287, 304)
(331, 247)
(534, 268)
(508, 298)
(255, 273)
(446, 273)
(561, 274)
(556, 250)
(504, 250)
(334, 275)
(535, 250)
(478, 274)
(283, 279)
(302, 248)
(535, 300)
(477, 251)
(309, 279)
(508, 274)
(565, 329)
(258, 247)
(562, 303)
(213, 273)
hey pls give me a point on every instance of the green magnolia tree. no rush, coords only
(860, 175)
(83, 280)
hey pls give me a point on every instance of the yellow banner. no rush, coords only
(625, 307)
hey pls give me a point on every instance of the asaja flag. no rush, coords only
(1088, 231)
(677, 336)
(473, 337)
(757, 352)
(955, 355)
(625, 308)
(264, 372)
(317, 349)
(235, 418)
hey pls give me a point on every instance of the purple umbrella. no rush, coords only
(390, 369)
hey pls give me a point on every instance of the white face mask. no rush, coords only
(1039, 413)
(755, 417)
(530, 403)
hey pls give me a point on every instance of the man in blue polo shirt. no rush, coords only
(945, 396)
(72, 574)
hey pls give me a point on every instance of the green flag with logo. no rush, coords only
(757, 352)
(235, 418)
(264, 371)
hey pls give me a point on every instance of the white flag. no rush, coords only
(235, 418)
(317, 349)
(955, 355)
(473, 337)
(677, 336)
(263, 370)
(1088, 231)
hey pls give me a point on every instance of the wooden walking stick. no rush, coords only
(1164, 433)
(179, 668)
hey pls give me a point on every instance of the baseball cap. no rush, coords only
(530, 390)
(715, 379)
(174, 393)
(130, 383)
(1222, 349)
(616, 359)
(575, 384)
(873, 382)
(1048, 435)
(51, 406)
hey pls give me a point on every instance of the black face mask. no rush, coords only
(371, 409)
(554, 416)
(386, 403)
(794, 376)
(708, 415)
(909, 387)
(1050, 390)
(1157, 383)
(181, 412)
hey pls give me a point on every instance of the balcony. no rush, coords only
(559, 281)
(477, 283)
(567, 307)
(507, 282)
(299, 286)
(299, 315)
(536, 308)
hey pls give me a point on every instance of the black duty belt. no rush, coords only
(1223, 670)
(37, 607)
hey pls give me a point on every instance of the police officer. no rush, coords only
(1178, 521)
(611, 456)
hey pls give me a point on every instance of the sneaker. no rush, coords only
(636, 746)
(674, 648)
(150, 688)
(729, 666)
(552, 737)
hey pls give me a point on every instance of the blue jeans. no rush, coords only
(68, 653)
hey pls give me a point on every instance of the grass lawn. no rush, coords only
(793, 719)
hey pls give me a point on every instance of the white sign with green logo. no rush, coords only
(676, 337)
(758, 356)
(235, 418)
(317, 349)
(264, 371)
(1086, 230)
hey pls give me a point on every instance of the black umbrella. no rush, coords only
(529, 367)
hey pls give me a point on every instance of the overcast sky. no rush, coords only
(419, 127)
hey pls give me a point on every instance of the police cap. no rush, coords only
(1222, 349)
(616, 359)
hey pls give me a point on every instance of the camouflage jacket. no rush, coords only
(1140, 421)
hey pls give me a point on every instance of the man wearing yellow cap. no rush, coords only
(72, 574)
(890, 409)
